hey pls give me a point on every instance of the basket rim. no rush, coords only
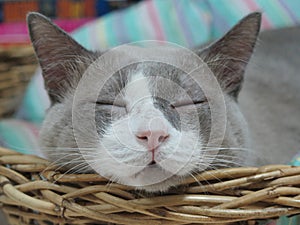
(234, 194)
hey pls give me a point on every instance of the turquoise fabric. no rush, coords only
(35, 102)
(19, 135)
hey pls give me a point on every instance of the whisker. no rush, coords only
(64, 164)
(69, 170)
(54, 163)
(195, 178)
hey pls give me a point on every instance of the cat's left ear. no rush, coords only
(229, 56)
(62, 59)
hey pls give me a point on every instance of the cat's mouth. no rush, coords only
(150, 167)
(154, 168)
(152, 175)
(154, 178)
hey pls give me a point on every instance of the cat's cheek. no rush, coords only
(181, 154)
(113, 168)
(122, 155)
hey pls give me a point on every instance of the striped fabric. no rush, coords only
(183, 22)
(187, 23)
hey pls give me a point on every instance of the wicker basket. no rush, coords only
(36, 192)
(17, 65)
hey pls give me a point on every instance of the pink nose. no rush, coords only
(152, 138)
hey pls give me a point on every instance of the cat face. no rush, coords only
(144, 116)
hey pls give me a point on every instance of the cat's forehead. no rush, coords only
(159, 79)
(145, 50)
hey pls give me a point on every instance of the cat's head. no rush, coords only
(144, 116)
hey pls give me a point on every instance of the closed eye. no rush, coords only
(187, 103)
(115, 104)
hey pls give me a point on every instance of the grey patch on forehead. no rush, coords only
(175, 87)
(163, 90)
(170, 113)
(171, 74)
(116, 83)
(112, 91)
(161, 69)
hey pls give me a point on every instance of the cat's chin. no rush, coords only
(162, 186)
(154, 179)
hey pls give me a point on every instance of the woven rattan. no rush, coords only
(33, 191)
(17, 65)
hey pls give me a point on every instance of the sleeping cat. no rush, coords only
(146, 116)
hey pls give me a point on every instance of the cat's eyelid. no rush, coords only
(115, 103)
(187, 103)
(200, 101)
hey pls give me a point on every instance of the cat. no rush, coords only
(150, 124)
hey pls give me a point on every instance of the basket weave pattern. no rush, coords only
(17, 65)
(35, 192)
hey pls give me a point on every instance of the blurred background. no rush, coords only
(69, 14)
(270, 98)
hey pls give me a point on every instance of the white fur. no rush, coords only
(124, 159)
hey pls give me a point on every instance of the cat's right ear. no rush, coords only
(60, 56)
(229, 56)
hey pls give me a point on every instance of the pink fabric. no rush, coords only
(154, 17)
(265, 22)
(14, 33)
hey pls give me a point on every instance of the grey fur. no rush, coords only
(270, 98)
(59, 54)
